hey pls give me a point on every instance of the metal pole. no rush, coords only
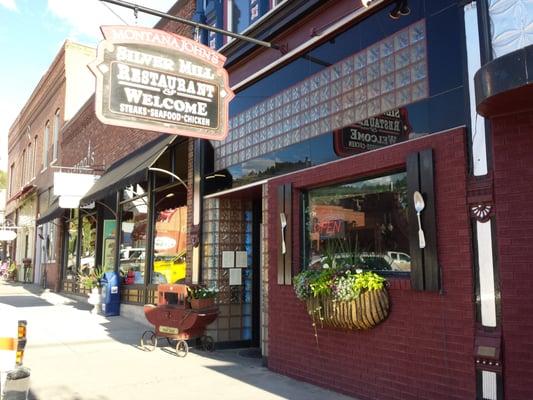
(137, 8)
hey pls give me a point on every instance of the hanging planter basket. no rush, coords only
(365, 312)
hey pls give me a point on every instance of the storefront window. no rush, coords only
(88, 243)
(109, 245)
(170, 235)
(360, 223)
(48, 242)
(72, 246)
(133, 236)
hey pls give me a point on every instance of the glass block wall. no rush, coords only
(228, 227)
(387, 75)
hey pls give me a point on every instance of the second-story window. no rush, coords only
(45, 144)
(238, 15)
(29, 156)
(11, 177)
(34, 157)
(24, 168)
(56, 134)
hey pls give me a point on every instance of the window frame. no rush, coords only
(45, 145)
(305, 204)
(56, 135)
(120, 237)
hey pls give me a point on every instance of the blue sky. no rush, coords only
(31, 34)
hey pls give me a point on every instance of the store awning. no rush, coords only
(53, 212)
(128, 170)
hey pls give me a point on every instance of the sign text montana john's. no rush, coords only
(156, 80)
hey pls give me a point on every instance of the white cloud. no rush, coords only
(84, 17)
(9, 4)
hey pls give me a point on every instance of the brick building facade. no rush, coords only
(34, 150)
(89, 146)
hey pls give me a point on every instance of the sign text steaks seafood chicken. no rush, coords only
(156, 80)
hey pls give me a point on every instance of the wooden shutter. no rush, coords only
(284, 260)
(425, 272)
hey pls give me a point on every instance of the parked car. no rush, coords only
(14, 377)
(169, 268)
(399, 261)
(367, 261)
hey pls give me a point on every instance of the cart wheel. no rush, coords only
(207, 342)
(182, 348)
(149, 341)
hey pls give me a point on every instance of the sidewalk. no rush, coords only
(75, 355)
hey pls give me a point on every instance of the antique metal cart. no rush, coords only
(175, 320)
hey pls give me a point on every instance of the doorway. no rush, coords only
(232, 263)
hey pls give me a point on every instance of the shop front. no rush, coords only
(138, 224)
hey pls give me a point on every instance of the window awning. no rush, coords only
(128, 170)
(53, 212)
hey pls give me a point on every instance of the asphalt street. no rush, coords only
(75, 355)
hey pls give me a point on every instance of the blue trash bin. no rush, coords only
(111, 294)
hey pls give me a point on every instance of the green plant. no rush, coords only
(341, 283)
(201, 292)
(322, 284)
(90, 278)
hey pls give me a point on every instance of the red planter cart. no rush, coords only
(175, 320)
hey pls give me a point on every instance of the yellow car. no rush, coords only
(169, 268)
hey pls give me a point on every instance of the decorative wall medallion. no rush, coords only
(481, 212)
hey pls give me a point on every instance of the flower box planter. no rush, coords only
(199, 304)
(365, 312)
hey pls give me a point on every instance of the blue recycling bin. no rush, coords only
(110, 294)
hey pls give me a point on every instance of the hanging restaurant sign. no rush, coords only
(156, 80)
(372, 133)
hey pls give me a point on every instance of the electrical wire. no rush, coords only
(114, 12)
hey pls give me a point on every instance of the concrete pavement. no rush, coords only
(75, 355)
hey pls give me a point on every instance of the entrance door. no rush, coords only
(256, 272)
(232, 263)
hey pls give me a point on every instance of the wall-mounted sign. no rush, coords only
(7, 235)
(71, 187)
(156, 80)
(372, 133)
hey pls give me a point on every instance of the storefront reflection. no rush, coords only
(133, 236)
(362, 224)
(170, 236)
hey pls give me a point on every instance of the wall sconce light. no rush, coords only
(213, 176)
(401, 8)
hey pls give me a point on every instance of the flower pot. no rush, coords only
(365, 312)
(95, 299)
(199, 304)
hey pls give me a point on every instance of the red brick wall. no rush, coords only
(108, 143)
(424, 350)
(513, 191)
